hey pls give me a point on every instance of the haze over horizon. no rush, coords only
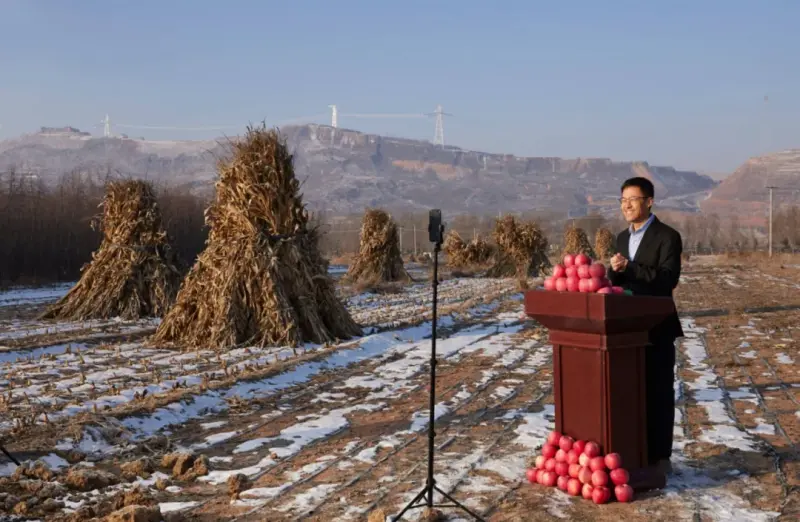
(694, 86)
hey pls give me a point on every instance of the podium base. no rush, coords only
(646, 479)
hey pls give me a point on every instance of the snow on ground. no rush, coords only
(696, 489)
(490, 420)
(705, 390)
(101, 377)
(25, 295)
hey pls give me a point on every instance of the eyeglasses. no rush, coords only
(622, 201)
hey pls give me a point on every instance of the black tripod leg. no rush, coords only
(411, 504)
(9, 455)
(458, 504)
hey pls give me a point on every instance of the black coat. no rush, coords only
(654, 271)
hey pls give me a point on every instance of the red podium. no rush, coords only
(599, 345)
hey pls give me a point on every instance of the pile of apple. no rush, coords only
(580, 274)
(578, 468)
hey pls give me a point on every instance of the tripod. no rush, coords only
(425, 497)
(9, 455)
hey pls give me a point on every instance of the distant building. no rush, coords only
(63, 130)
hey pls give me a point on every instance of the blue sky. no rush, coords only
(674, 83)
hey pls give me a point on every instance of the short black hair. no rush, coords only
(644, 184)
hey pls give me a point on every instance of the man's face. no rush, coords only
(635, 206)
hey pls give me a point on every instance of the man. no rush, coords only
(648, 262)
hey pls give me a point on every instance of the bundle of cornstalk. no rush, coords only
(604, 243)
(261, 279)
(522, 249)
(378, 259)
(134, 273)
(459, 254)
(576, 242)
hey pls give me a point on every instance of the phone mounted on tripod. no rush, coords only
(425, 498)
(435, 226)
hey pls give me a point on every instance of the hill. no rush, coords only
(346, 170)
(744, 193)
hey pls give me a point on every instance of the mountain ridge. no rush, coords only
(346, 170)
(745, 192)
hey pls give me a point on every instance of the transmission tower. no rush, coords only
(334, 114)
(106, 127)
(438, 137)
(439, 114)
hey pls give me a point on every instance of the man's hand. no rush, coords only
(619, 263)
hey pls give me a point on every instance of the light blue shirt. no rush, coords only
(635, 238)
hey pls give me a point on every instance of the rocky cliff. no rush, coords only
(745, 194)
(345, 171)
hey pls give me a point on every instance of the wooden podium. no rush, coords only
(599, 345)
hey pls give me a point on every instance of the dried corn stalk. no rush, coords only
(604, 243)
(378, 259)
(576, 242)
(522, 249)
(459, 254)
(261, 279)
(134, 273)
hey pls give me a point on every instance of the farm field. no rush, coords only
(337, 432)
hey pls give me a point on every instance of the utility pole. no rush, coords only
(770, 220)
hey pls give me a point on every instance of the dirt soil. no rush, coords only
(339, 432)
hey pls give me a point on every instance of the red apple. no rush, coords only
(593, 284)
(565, 442)
(619, 476)
(549, 450)
(586, 491)
(578, 446)
(562, 469)
(601, 494)
(572, 284)
(618, 289)
(623, 492)
(561, 456)
(582, 285)
(531, 475)
(583, 272)
(549, 284)
(605, 290)
(549, 479)
(568, 260)
(571, 271)
(558, 271)
(599, 478)
(572, 457)
(553, 437)
(561, 284)
(613, 461)
(591, 449)
(605, 282)
(585, 476)
(539, 462)
(583, 459)
(550, 465)
(574, 487)
(597, 464)
(582, 260)
(561, 483)
(574, 469)
(597, 270)
(538, 476)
